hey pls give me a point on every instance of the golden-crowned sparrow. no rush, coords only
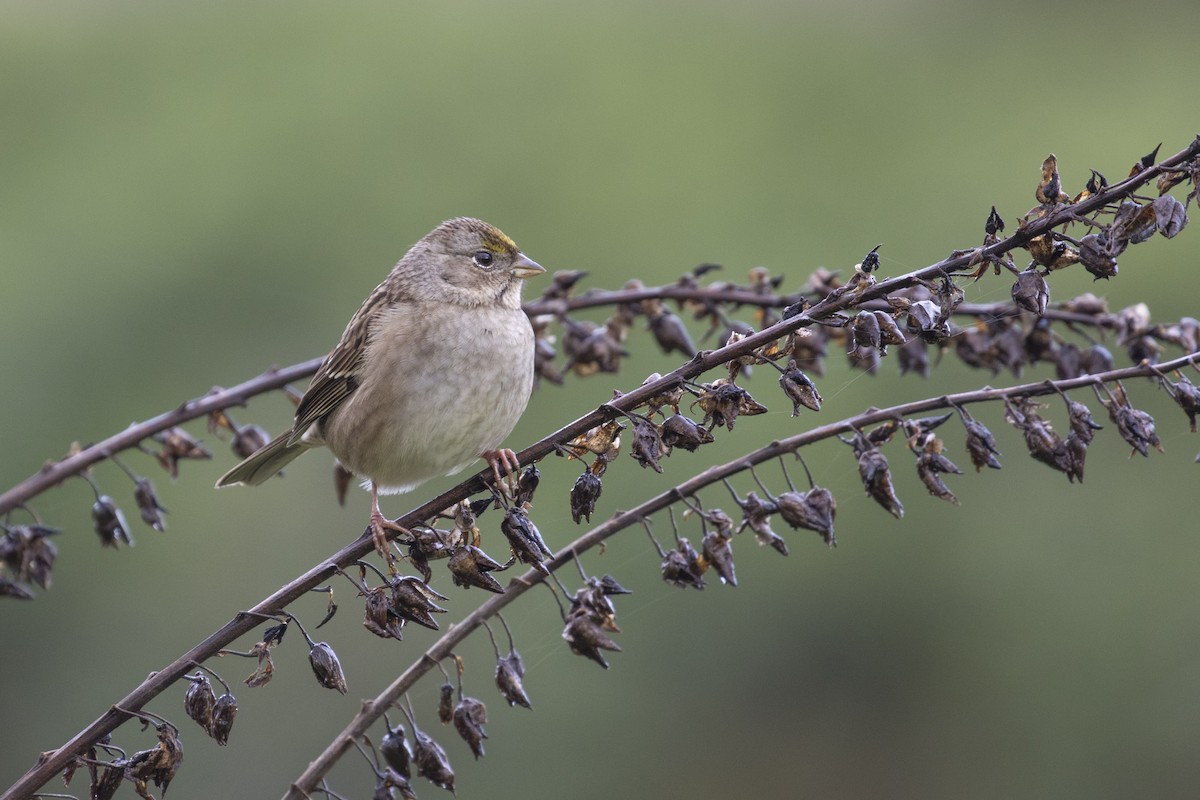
(431, 373)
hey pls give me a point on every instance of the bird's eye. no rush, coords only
(483, 258)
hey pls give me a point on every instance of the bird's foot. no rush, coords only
(503, 459)
(380, 525)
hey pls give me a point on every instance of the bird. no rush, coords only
(431, 373)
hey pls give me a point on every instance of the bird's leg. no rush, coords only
(507, 459)
(379, 526)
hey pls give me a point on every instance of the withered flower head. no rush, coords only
(431, 761)
(446, 703)
(590, 348)
(510, 670)
(148, 506)
(1082, 424)
(265, 669)
(109, 523)
(647, 446)
(1031, 292)
(222, 719)
(527, 484)
(799, 389)
(981, 444)
(994, 223)
(716, 551)
(395, 752)
(470, 715)
(931, 464)
(925, 319)
(681, 567)
(670, 333)
(889, 331)
(199, 700)
(248, 440)
(178, 444)
(877, 480)
(412, 600)
(326, 667)
(1098, 252)
(158, 764)
(598, 440)
(585, 638)
(1049, 189)
(584, 495)
(524, 539)
(29, 554)
(469, 566)
(1169, 215)
(756, 515)
(106, 782)
(813, 510)
(809, 347)
(723, 401)
(680, 431)
(913, 356)
(379, 618)
(866, 332)
(1134, 425)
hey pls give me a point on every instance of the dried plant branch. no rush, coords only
(829, 309)
(373, 709)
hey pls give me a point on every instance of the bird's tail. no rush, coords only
(267, 462)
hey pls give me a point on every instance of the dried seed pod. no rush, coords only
(799, 389)
(1169, 216)
(877, 480)
(813, 510)
(446, 703)
(411, 600)
(527, 484)
(865, 329)
(680, 431)
(647, 445)
(1049, 189)
(925, 318)
(889, 331)
(1134, 425)
(1031, 292)
(931, 465)
(681, 566)
(248, 440)
(105, 783)
(148, 506)
(913, 356)
(29, 554)
(380, 619)
(199, 700)
(1098, 252)
(395, 752)
(670, 333)
(723, 401)
(158, 764)
(109, 523)
(590, 348)
(431, 761)
(981, 444)
(584, 495)
(177, 445)
(585, 638)
(469, 566)
(326, 667)
(510, 672)
(525, 540)
(470, 715)
(1082, 424)
(716, 551)
(222, 720)
(599, 440)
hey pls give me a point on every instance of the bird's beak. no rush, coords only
(525, 267)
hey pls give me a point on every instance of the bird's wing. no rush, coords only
(339, 375)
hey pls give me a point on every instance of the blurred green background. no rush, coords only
(191, 192)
